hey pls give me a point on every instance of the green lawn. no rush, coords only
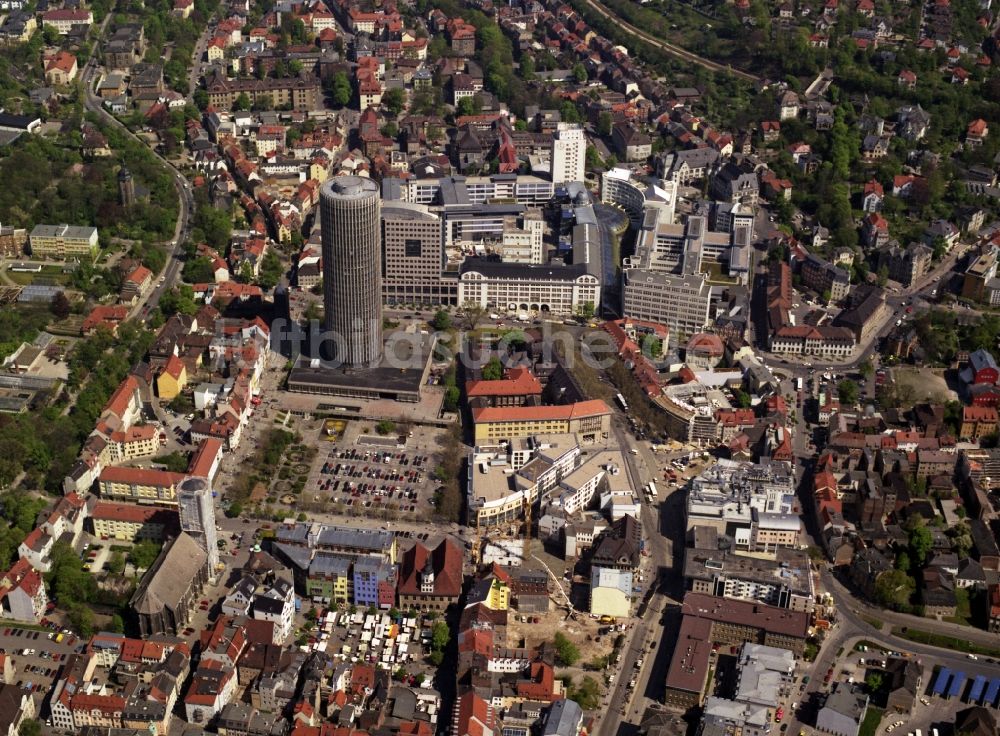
(945, 642)
(869, 726)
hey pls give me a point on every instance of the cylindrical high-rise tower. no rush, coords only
(349, 210)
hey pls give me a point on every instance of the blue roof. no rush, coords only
(976, 691)
(957, 681)
(942, 681)
(980, 359)
(992, 691)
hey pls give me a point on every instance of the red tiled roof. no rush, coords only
(119, 402)
(565, 412)
(446, 560)
(132, 513)
(519, 382)
(141, 476)
(174, 367)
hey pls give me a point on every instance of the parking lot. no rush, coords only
(364, 473)
(36, 655)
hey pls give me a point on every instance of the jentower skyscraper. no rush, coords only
(349, 208)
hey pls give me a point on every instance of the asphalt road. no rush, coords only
(174, 263)
(898, 300)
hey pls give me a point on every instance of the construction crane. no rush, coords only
(526, 539)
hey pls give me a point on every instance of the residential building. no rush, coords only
(569, 154)
(903, 680)
(61, 68)
(301, 93)
(843, 711)
(828, 280)
(132, 523)
(977, 422)
(22, 593)
(631, 143)
(139, 485)
(866, 313)
(172, 379)
(906, 265)
(63, 19)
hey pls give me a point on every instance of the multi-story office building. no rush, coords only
(569, 154)
(682, 302)
(472, 190)
(505, 479)
(553, 289)
(352, 272)
(413, 256)
(591, 419)
(63, 241)
(785, 582)
(754, 504)
(618, 187)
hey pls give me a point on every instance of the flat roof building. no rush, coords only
(63, 241)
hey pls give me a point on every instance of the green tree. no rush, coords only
(198, 271)
(393, 100)
(340, 89)
(866, 369)
(587, 310)
(116, 563)
(242, 102)
(743, 399)
(587, 694)
(271, 270)
(60, 306)
(386, 426)
(144, 554)
(903, 561)
(848, 391)
(263, 101)
(921, 542)
(468, 106)
(441, 321)
(493, 370)
(604, 124)
(580, 73)
(30, 726)
(81, 619)
(874, 682)
(50, 34)
(567, 652)
(893, 589)
(180, 299)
